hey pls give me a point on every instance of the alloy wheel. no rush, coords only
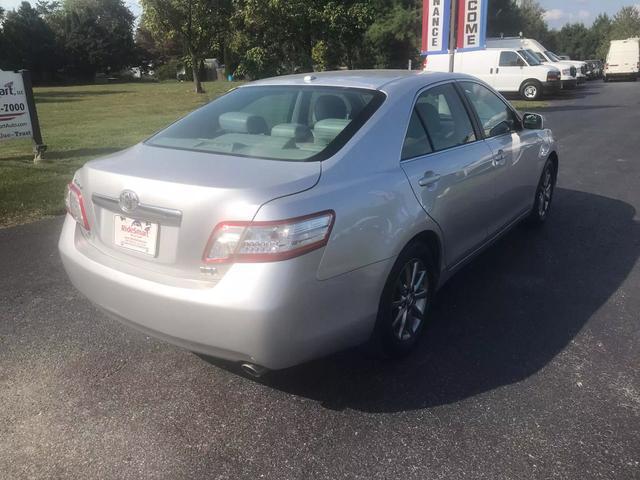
(545, 193)
(410, 300)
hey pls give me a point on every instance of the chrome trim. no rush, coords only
(163, 216)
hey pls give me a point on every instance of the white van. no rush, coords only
(505, 69)
(623, 59)
(577, 69)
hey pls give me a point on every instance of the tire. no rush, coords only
(544, 195)
(403, 312)
(531, 90)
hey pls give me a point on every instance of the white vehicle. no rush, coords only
(578, 70)
(506, 69)
(623, 59)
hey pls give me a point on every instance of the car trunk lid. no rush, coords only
(177, 197)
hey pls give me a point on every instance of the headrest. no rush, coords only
(297, 131)
(325, 131)
(431, 117)
(329, 106)
(242, 122)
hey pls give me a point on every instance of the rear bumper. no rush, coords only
(568, 84)
(272, 314)
(622, 75)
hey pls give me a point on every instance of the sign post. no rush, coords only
(450, 26)
(18, 114)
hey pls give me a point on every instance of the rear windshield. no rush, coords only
(295, 123)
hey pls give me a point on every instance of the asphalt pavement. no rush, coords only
(530, 370)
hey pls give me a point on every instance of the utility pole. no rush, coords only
(453, 34)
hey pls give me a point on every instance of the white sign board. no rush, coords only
(15, 121)
(472, 24)
(435, 26)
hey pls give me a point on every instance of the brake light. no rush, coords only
(268, 241)
(75, 205)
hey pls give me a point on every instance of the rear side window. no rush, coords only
(416, 143)
(510, 59)
(496, 118)
(441, 111)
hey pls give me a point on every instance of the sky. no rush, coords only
(558, 12)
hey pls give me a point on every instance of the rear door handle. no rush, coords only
(499, 158)
(429, 179)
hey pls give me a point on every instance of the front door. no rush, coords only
(515, 151)
(510, 72)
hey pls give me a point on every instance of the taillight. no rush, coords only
(553, 76)
(75, 205)
(268, 241)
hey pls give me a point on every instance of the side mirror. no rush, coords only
(533, 121)
(521, 63)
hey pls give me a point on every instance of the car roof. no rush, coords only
(367, 79)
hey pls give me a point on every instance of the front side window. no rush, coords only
(510, 59)
(442, 112)
(286, 122)
(496, 118)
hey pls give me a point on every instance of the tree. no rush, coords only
(197, 24)
(577, 41)
(601, 32)
(95, 36)
(394, 37)
(626, 24)
(28, 42)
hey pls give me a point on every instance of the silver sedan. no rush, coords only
(297, 216)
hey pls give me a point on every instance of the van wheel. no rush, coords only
(531, 90)
(405, 302)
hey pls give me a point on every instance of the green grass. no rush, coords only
(525, 106)
(78, 124)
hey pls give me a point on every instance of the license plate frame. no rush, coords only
(136, 235)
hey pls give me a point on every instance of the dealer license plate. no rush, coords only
(136, 235)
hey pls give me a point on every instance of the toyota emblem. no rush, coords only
(128, 201)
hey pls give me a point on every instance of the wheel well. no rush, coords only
(432, 241)
(531, 80)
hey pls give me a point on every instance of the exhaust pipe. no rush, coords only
(255, 371)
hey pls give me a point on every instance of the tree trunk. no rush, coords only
(195, 68)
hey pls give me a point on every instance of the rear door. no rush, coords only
(450, 169)
(515, 154)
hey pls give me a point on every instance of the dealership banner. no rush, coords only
(472, 25)
(15, 121)
(435, 26)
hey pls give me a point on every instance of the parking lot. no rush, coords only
(531, 368)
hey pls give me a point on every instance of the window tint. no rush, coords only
(273, 122)
(509, 59)
(495, 117)
(447, 122)
(274, 109)
(416, 143)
